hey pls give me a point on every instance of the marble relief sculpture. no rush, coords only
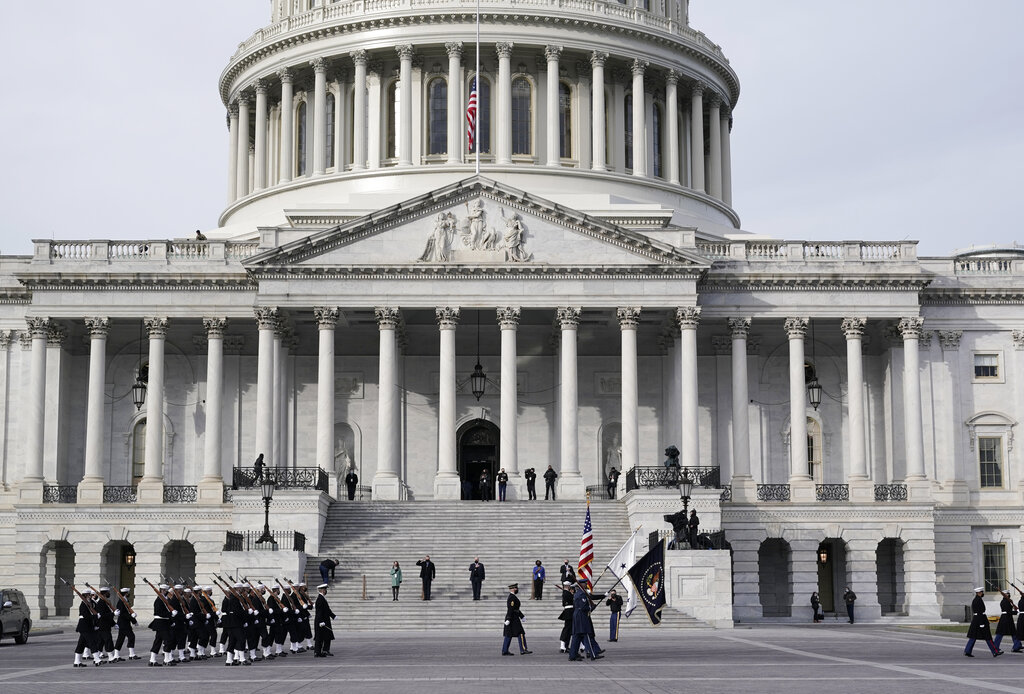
(439, 244)
(514, 251)
(473, 235)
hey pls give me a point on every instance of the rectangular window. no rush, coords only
(990, 458)
(986, 366)
(994, 567)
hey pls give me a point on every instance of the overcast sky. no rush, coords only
(874, 119)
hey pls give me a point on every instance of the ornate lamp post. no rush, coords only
(685, 488)
(268, 494)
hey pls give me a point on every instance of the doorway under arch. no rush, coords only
(478, 447)
(179, 561)
(775, 578)
(58, 562)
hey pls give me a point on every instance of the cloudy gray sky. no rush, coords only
(875, 119)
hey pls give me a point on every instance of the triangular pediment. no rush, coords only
(477, 223)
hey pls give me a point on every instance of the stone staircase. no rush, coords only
(367, 537)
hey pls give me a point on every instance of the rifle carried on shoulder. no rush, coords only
(163, 598)
(92, 609)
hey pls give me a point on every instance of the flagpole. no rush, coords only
(476, 138)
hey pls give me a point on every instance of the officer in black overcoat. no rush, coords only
(1006, 627)
(514, 622)
(979, 628)
(322, 616)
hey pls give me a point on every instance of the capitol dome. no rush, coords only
(563, 88)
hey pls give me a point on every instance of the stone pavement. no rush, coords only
(793, 659)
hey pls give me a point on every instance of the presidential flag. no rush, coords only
(648, 577)
(619, 567)
(584, 572)
(471, 116)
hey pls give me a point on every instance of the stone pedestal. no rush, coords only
(919, 491)
(447, 487)
(90, 492)
(386, 488)
(862, 491)
(30, 492)
(208, 492)
(744, 490)
(571, 486)
(801, 491)
(151, 492)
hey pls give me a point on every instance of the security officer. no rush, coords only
(322, 616)
(614, 602)
(502, 484)
(979, 626)
(514, 622)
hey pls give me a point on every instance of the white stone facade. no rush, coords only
(601, 280)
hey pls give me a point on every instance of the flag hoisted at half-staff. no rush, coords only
(648, 577)
(471, 116)
(619, 566)
(584, 572)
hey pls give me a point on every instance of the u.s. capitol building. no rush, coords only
(848, 408)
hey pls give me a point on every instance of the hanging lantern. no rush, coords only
(478, 381)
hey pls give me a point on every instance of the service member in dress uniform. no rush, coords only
(566, 616)
(1006, 627)
(979, 625)
(514, 622)
(87, 628)
(322, 616)
(234, 618)
(127, 620)
(105, 619)
(161, 625)
(305, 608)
(614, 602)
(279, 621)
(1020, 616)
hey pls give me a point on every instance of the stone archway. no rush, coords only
(179, 561)
(478, 449)
(117, 565)
(775, 578)
(889, 569)
(58, 561)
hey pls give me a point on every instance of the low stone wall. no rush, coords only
(699, 583)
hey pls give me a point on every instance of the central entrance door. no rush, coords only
(478, 451)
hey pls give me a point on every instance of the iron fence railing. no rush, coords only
(707, 476)
(60, 494)
(832, 492)
(245, 541)
(891, 492)
(773, 492)
(181, 494)
(598, 491)
(283, 477)
(120, 494)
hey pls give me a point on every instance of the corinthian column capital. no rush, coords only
(98, 326)
(569, 317)
(687, 317)
(508, 317)
(447, 317)
(796, 327)
(326, 317)
(854, 327)
(629, 317)
(739, 327)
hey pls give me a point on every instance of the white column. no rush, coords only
(726, 158)
(277, 455)
(31, 487)
(629, 319)
(672, 116)
(552, 54)
(91, 487)
(639, 119)
(319, 66)
(287, 124)
(853, 328)
(740, 328)
(715, 146)
(327, 320)
(446, 481)
(232, 153)
(6, 473)
(386, 482)
(151, 486)
(503, 113)
(405, 53)
(211, 485)
(688, 317)
(796, 329)
(597, 61)
(570, 482)
(242, 167)
(910, 328)
(697, 137)
(266, 320)
(260, 173)
(456, 109)
(359, 134)
(508, 321)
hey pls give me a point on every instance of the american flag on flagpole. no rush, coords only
(584, 572)
(471, 115)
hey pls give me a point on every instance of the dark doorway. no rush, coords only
(775, 578)
(478, 451)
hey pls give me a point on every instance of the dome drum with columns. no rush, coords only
(850, 408)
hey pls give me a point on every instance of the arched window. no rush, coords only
(300, 139)
(564, 121)
(437, 118)
(483, 115)
(329, 157)
(656, 137)
(627, 110)
(522, 116)
(393, 118)
(138, 451)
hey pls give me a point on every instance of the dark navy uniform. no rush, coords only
(1006, 627)
(614, 602)
(979, 628)
(161, 624)
(322, 616)
(87, 627)
(126, 623)
(514, 622)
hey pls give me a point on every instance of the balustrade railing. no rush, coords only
(891, 492)
(661, 476)
(141, 251)
(832, 492)
(598, 491)
(120, 494)
(181, 494)
(60, 494)
(984, 266)
(283, 477)
(245, 541)
(773, 492)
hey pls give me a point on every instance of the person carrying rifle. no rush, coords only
(87, 628)
(1006, 627)
(281, 617)
(180, 622)
(163, 613)
(1020, 614)
(127, 620)
(196, 626)
(105, 619)
(234, 618)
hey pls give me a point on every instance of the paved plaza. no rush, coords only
(792, 659)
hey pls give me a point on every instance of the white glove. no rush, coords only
(174, 613)
(208, 616)
(252, 611)
(506, 622)
(117, 613)
(321, 624)
(134, 615)
(188, 615)
(270, 610)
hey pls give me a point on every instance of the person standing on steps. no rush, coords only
(396, 581)
(502, 484)
(531, 484)
(849, 597)
(485, 487)
(514, 622)
(1006, 627)
(566, 572)
(257, 470)
(979, 628)
(614, 603)
(549, 483)
(693, 529)
(476, 577)
(427, 573)
(351, 480)
(613, 481)
(538, 581)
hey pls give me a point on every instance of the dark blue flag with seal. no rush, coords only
(648, 576)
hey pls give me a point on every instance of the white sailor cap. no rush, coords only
(302, 584)
(188, 590)
(979, 589)
(126, 590)
(208, 589)
(163, 586)
(87, 591)
(322, 586)
(104, 589)
(566, 583)
(275, 588)
(178, 586)
(239, 585)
